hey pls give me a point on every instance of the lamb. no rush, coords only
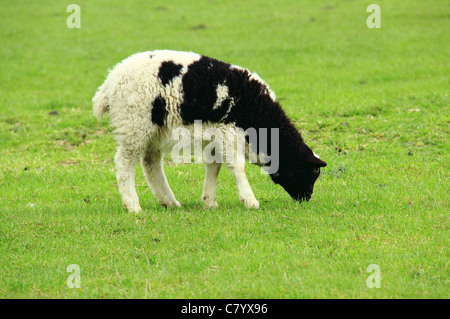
(150, 94)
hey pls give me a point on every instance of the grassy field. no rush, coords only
(373, 103)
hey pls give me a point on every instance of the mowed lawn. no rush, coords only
(373, 103)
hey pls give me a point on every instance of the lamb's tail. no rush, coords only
(101, 101)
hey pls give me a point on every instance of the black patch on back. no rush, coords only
(169, 70)
(159, 111)
(200, 84)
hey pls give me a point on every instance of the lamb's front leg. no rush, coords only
(245, 191)
(209, 197)
(156, 179)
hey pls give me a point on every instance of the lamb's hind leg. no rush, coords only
(156, 179)
(126, 161)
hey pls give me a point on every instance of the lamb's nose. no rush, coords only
(303, 197)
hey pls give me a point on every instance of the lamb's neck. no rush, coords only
(282, 136)
(290, 143)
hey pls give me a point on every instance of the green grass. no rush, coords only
(373, 103)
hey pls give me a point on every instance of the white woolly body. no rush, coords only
(132, 86)
(127, 95)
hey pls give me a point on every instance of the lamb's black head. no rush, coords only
(298, 178)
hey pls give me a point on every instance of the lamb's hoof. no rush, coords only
(133, 208)
(208, 205)
(177, 204)
(254, 204)
(170, 204)
(209, 201)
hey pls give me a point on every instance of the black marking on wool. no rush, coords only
(219, 113)
(200, 84)
(159, 111)
(252, 105)
(168, 71)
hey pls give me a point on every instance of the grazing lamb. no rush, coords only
(150, 94)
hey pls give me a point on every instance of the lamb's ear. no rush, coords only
(313, 160)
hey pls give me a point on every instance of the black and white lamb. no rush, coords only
(150, 94)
